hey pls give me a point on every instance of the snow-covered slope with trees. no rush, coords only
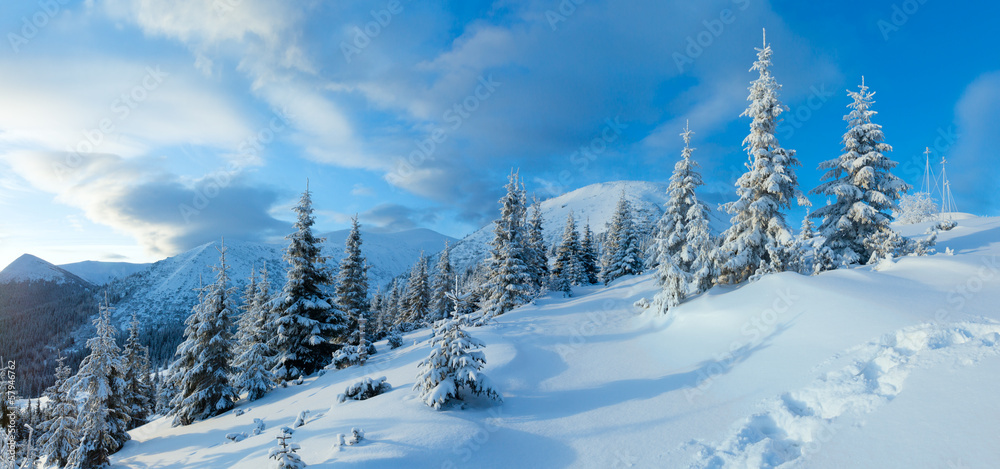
(893, 365)
(165, 290)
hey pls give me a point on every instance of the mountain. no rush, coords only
(28, 268)
(162, 294)
(596, 203)
(867, 366)
(41, 306)
(100, 273)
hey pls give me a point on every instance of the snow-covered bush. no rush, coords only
(258, 427)
(945, 225)
(352, 439)
(365, 389)
(284, 455)
(349, 355)
(236, 437)
(915, 208)
(394, 339)
(301, 419)
(888, 242)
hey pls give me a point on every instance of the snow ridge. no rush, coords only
(796, 424)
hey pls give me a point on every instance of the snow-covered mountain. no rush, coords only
(164, 292)
(895, 365)
(28, 268)
(596, 203)
(100, 273)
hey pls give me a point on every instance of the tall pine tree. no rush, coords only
(759, 234)
(204, 359)
(352, 282)
(589, 270)
(509, 283)
(305, 321)
(444, 278)
(60, 434)
(417, 302)
(255, 359)
(104, 418)
(538, 259)
(138, 387)
(862, 183)
(566, 268)
(622, 252)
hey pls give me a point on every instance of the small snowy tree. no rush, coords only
(60, 434)
(444, 276)
(566, 268)
(509, 283)
(622, 252)
(454, 363)
(862, 182)
(915, 208)
(103, 419)
(305, 322)
(204, 362)
(759, 230)
(352, 283)
(417, 302)
(284, 455)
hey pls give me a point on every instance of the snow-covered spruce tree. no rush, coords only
(915, 208)
(588, 257)
(138, 387)
(622, 253)
(509, 283)
(454, 362)
(103, 419)
(305, 321)
(862, 183)
(254, 362)
(59, 434)
(567, 263)
(284, 455)
(808, 229)
(417, 301)
(538, 259)
(352, 282)
(204, 359)
(759, 231)
(444, 277)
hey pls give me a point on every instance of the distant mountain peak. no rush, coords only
(29, 268)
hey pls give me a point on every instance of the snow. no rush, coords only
(28, 268)
(100, 273)
(857, 367)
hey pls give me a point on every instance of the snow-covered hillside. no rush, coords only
(596, 203)
(890, 367)
(165, 291)
(28, 268)
(100, 273)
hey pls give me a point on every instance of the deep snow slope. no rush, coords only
(895, 367)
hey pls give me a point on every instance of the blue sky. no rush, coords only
(136, 130)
